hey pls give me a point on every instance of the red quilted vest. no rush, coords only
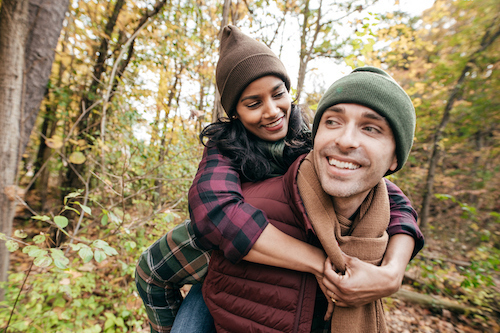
(248, 297)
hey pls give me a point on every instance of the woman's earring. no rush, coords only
(234, 117)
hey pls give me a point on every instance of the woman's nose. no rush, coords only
(271, 109)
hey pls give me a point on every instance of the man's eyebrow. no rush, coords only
(336, 108)
(374, 116)
(257, 96)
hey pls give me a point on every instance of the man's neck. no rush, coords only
(348, 206)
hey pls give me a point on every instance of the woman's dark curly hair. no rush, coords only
(244, 150)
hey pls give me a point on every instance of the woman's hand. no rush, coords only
(328, 295)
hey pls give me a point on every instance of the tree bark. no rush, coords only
(218, 111)
(46, 19)
(13, 34)
(72, 179)
(433, 302)
(29, 31)
(489, 37)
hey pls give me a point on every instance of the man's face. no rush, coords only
(353, 149)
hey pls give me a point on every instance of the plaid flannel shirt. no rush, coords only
(177, 258)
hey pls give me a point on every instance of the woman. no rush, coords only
(263, 135)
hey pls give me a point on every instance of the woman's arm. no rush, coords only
(275, 248)
(403, 217)
(221, 219)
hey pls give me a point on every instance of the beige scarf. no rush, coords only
(365, 238)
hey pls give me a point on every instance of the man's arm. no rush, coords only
(168, 264)
(363, 282)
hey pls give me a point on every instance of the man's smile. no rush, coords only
(343, 165)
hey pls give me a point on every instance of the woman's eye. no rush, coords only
(279, 94)
(253, 105)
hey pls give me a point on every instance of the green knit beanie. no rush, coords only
(377, 90)
(243, 60)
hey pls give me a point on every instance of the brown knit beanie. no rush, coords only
(243, 60)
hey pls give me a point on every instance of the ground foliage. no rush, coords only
(75, 244)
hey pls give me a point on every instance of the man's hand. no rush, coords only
(364, 283)
(361, 284)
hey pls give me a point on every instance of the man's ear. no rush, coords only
(394, 164)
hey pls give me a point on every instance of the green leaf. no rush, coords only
(3, 237)
(77, 157)
(28, 248)
(110, 322)
(100, 244)
(57, 253)
(130, 245)
(114, 218)
(34, 251)
(39, 239)
(72, 209)
(76, 247)
(99, 255)
(60, 261)
(20, 234)
(41, 217)
(43, 261)
(104, 219)
(61, 221)
(86, 254)
(110, 251)
(11, 245)
(85, 208)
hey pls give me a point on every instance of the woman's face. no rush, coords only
(264, 108)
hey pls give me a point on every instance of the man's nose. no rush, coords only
(348, 138)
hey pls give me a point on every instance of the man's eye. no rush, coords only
(372, 129)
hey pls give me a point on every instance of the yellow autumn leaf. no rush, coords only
(54, 142)
(77, 157)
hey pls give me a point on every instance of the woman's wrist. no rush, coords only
(317, 261)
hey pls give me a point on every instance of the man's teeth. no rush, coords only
(277, 122)
(343, 165)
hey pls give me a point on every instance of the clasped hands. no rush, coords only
(362, 283)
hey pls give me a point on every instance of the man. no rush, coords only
(360, 135)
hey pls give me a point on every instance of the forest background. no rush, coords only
(101, 103)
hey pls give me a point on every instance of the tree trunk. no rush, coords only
(218, 111)
(29, 32)
(433, 302)
(72, 180)
(13, 34)
(45, 23)
(486, 41)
